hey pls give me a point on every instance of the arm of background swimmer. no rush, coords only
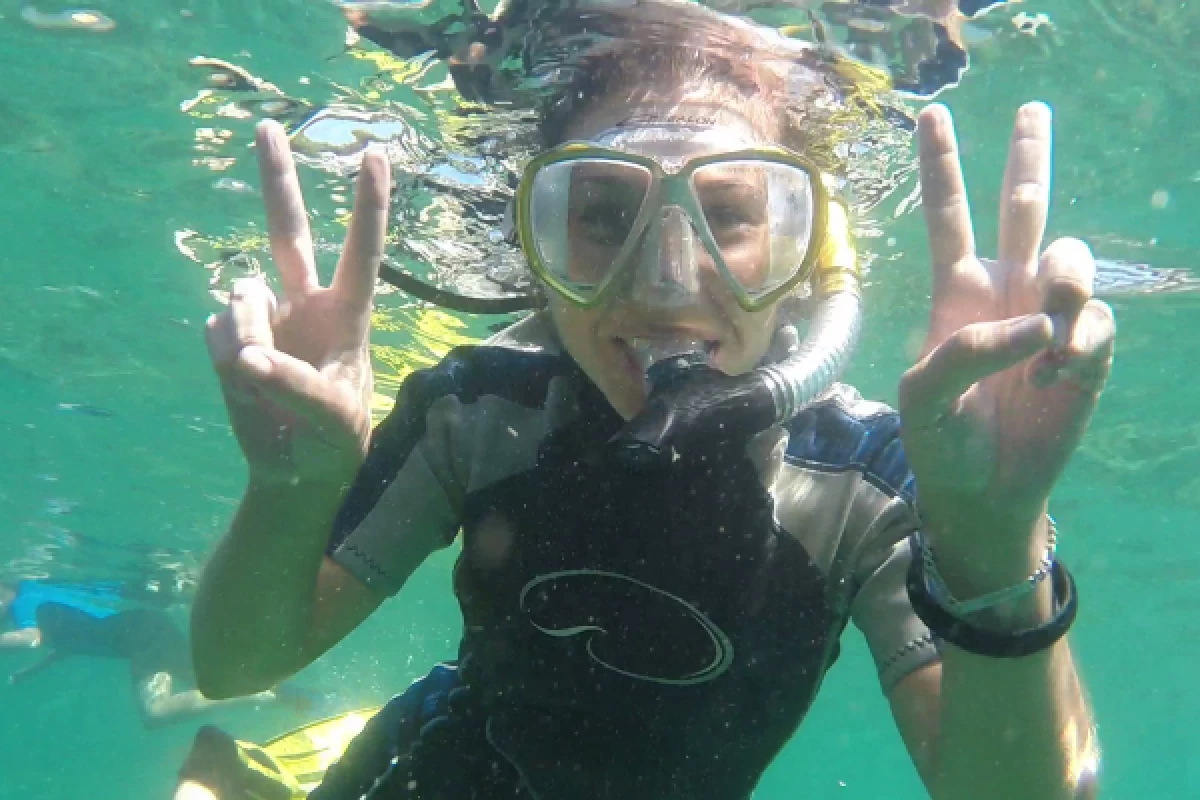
(160, 704)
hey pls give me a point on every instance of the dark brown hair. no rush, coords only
(649, 60)
(799, 95)
(640, 75)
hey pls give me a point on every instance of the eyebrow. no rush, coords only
(605, 184)
(602, 171)
(729, 184)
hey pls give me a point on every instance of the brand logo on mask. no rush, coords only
(630, 627)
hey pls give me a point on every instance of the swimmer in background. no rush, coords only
(67, 619)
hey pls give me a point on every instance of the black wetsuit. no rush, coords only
(146, 639)
(628, 635)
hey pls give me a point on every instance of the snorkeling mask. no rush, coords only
(643, 210)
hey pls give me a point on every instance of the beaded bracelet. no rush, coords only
(961, 608)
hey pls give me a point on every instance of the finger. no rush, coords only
(933, 386)
(224, 348)
(1066, 275)
(296, 386)
(943, 193)
(287, 221)
(1092, 347)
(1025, 198)
(1087, 358)
(251, 308)
(358, 268)
(221, 341)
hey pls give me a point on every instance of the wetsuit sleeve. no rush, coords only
(408, 494)
(899, 642)
(850, 501)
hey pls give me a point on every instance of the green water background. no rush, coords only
(100, 309)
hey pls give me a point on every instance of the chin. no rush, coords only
(626, 395)
(629, 405)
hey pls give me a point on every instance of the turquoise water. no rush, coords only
(105, 315)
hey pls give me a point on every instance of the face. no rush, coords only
(609, 341)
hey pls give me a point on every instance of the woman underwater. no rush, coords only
(668, 511)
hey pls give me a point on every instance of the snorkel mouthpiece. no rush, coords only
(668, 365)
(654, 355)
(670, 370)
(695, 409)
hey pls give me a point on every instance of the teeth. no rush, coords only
(651, 351)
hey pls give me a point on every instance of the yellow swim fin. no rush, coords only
(287, 767)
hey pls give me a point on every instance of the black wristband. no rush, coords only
(980, 641)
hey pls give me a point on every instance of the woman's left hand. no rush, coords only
(1017, 354)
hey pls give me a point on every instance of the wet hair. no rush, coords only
(639, 75)
(808, 98)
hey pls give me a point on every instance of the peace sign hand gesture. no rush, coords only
(1017, 354)
(295, 371)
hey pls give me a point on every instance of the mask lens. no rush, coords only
(582, 214)
(760, 215)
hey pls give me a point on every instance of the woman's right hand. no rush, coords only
(296, 371)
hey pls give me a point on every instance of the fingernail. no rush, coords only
(378, 152)
(255, 361)
(935, 112)
(1061, 331)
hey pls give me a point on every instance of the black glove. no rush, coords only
(694, 410)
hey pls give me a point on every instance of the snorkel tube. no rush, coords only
(691, 404)
(819, 359)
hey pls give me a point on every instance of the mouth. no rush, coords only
(643, 351)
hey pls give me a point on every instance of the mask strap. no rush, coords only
(508, 225)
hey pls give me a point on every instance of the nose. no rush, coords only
(666, 273)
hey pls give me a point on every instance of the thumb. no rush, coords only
(298, 387)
